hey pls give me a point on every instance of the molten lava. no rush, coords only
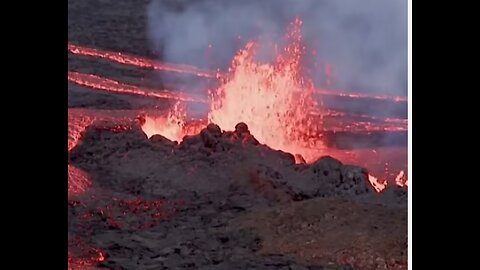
(170, 126)
(376, 183)
(366, 123)
(271, 98)
(139, 61)
(276, 101)
(142, 62)
(109, 85)
(401, 180)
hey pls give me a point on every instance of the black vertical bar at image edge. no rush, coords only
(440, 188)
(36, 118)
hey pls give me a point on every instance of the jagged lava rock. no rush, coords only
(211, 161)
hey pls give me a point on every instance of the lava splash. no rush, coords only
(271, 98)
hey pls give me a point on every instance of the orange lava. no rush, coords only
(187, 69)
(109, 85)
(360, 95)
(170, 126)
(276, 103)
(139, 61)
(376, 183)
(271, 98)
(367, 123)
(401, 180)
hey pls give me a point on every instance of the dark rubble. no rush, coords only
(202, 185)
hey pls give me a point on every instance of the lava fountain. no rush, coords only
(271, 98)
(170, 126)
(274, 99)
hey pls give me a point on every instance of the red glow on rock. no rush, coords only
(170, 126)
(78, 181)
(82, 255)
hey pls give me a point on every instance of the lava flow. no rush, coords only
(109, 85)
(365, 123)
(142, 62)
(139, 61)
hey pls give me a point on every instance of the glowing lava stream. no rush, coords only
(108, 85)
(101, 83)
(139, 61)
(187, 69)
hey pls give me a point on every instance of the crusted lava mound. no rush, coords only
(205, 183)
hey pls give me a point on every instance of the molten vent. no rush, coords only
(272, 99)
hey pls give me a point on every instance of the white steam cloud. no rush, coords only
(364, 41)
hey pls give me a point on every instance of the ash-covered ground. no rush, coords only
(217, 200)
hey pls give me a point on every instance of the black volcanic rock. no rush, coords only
(217, 175)
(212, 161)
(341, 179)
(161, 140)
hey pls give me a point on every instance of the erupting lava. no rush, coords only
(401, 180)
(271, 98)
(274, 99)
(366, 123)
(170, 126)
(376, 184)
